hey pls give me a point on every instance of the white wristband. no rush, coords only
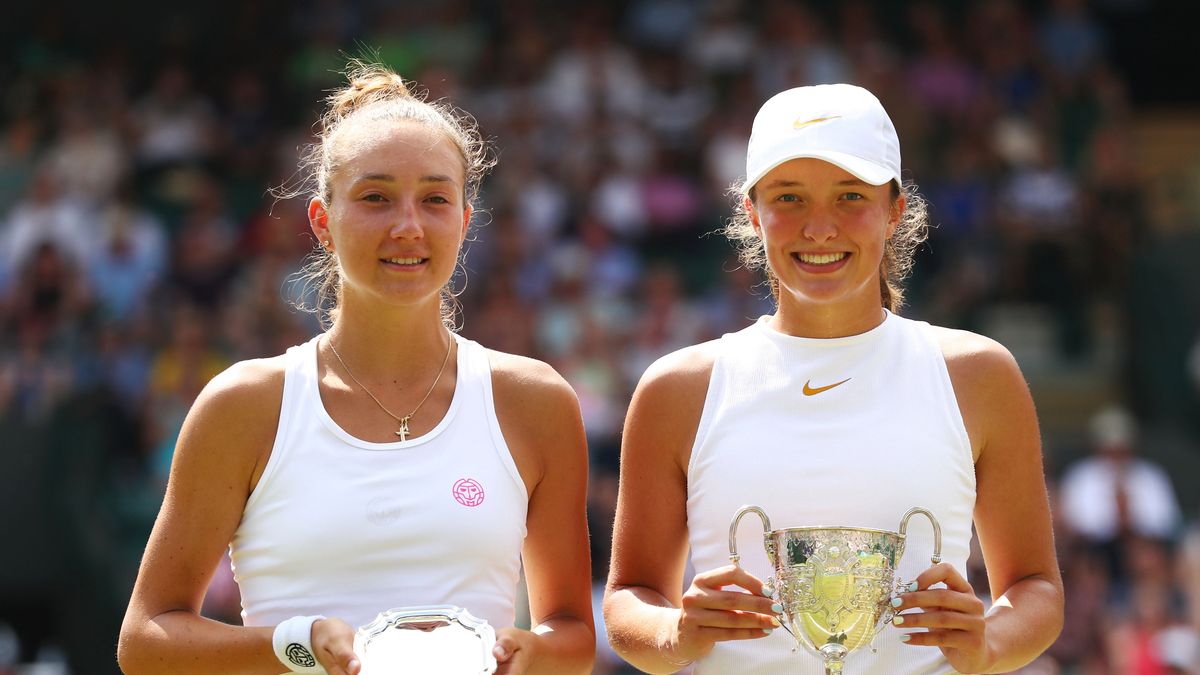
(293, 644)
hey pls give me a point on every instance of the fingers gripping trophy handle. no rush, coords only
(937, 531)
(734, 557)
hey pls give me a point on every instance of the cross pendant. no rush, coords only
(403, 432)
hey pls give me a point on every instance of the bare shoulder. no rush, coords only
(666, 409)
(529, 381)
(974, 358)
(991, 391)
(681, 376)
(245, 390)
(539, 418)
(234, 420)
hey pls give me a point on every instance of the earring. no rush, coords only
(327, 244)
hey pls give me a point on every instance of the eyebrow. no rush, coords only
(389, 178)
(780, 182)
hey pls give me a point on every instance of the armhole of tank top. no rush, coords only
(712, 403)
(952, 410)
(292, 394)
(481, 366)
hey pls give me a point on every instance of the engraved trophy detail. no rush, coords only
(835, 583)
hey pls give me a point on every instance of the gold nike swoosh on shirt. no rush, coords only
(809, 391)
(798, 125)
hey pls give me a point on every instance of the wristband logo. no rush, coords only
(299, 655)
(468, 492)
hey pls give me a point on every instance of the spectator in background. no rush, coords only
(88, 159)
(1072, 39)
(1088, 587)
(179, 370)
(43, 215)
(174, 124)
(1114, 494)
(129, 258)
(49, 306)
(1146, 627)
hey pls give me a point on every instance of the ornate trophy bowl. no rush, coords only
(428, 639)
(835, 583)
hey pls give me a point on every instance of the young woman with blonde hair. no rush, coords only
(385, 463)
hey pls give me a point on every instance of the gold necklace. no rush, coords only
(402, 432)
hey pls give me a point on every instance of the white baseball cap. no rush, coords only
(842, 124)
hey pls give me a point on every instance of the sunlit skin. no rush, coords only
(397, 194)
(809, 207)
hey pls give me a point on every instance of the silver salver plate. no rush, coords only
(430, 639)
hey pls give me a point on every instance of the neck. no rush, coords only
(387, 344)
(826, 319)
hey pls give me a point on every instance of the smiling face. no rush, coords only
(397, 214)
(824, 232)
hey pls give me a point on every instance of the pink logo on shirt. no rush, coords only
(468, 492)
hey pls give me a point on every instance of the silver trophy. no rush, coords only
(430, 639)
(835, 583)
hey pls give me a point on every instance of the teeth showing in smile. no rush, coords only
(405, 261)
(820, 258)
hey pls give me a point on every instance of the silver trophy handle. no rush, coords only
(734, 557)
(937, 531)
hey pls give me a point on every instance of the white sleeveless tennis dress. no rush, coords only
(848, 431)
(347, 528)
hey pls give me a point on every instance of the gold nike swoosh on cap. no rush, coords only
(809, 391)
(798, 125)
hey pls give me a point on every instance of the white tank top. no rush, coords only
(347, 528)
(888, 437)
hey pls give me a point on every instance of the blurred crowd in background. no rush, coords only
(141, 254)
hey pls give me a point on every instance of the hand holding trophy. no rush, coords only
(428, 640)
(835, 583)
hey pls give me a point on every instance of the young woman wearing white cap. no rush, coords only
(385, 463)
(834, 411)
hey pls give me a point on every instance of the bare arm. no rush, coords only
(222, 447)
(1012, 512)
(651, 622)
(540, 418)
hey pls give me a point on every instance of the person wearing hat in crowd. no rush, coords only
(833, 411)
(1113, 497)
(385, 463)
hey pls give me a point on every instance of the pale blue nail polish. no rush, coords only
(766, 592)
(896, 602)
(912, 588)
(905, 638)
(898, 620)
(768, 631)
(777, 608)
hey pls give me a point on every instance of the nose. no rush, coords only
(820, 226)
(407, 224)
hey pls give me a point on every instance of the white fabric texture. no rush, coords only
(348, 528)
(859, 454)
